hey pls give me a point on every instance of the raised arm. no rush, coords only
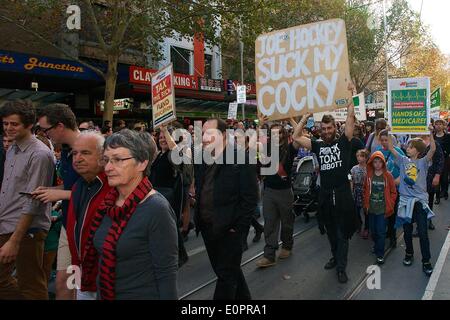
(299, 140)
(432, 150)
(350, 122)
(170, 142)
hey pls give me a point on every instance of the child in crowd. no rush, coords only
(380, 195)
(413, 203)
(394, 169)
(358, 173)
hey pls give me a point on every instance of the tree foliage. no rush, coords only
(366, 36)
(120, 25)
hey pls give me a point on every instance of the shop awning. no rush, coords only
(35, 96)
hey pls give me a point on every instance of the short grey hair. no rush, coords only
(141, 145)
(151, 145)
(94, 134)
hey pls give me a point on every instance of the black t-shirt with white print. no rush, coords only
(334, 161)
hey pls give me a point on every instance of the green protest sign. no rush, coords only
(409, 105)
(435, 98)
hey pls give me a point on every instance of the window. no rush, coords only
(208, 66)
(181, 60)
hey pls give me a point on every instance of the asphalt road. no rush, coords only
(302, 275)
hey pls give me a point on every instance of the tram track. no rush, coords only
(212, 281)
(349, 296)
(360, 284)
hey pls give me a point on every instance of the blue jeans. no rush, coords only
(377, 225)
(419, 217)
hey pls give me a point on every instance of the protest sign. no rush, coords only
(360, 107)
(435, 113)
(163, 100)
(232, 110)
(409, 105)
(302, 69)
(241, 94)
(341, 114)
(435, 98)
(435, 104)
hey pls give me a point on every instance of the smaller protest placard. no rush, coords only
(232, 111)
(163, 97)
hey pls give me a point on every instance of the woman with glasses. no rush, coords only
(133, 236)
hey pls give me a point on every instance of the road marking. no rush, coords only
(432, 283)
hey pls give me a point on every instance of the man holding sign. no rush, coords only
(336, 207)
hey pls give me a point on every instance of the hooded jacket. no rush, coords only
(390, 191)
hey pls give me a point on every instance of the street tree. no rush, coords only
(120, 25)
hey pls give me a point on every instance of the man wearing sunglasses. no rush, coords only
(58, 122)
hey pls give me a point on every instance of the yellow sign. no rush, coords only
(35, 63)
(7, 60)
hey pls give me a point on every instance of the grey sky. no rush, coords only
(435, 14)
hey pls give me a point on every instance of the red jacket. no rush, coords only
(390, 190)
(77, 251)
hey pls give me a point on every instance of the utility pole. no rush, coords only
(387, 56)
(241, 49)
(385, 41)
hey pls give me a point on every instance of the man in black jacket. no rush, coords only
(226, 195)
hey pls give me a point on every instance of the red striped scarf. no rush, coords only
(120, 217)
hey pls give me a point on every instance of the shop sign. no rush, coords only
(119, 104)
(231, 86)
(139, 75)
(34, 64)
(214, 85)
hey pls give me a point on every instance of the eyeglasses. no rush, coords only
(83, 129)
(116, 162)
(45, 130)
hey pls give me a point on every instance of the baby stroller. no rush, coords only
(304, 186)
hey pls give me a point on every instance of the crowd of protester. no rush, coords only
(110, 200)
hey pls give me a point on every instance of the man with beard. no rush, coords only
(336, 207)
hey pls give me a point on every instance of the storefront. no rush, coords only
(196, 98)
(45, 80)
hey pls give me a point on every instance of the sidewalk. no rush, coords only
(439, 285)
